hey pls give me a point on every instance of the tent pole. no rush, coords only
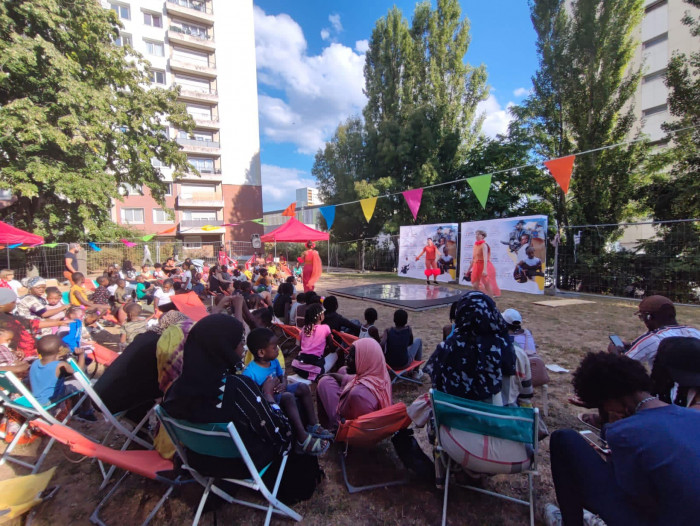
(8, 256)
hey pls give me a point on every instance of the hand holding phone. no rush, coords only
(594, 440)
(616, 341)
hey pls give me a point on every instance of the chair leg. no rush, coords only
(203, 500)
(545, 400)
(531, 499)
(357, 489)
(447, 491)
(7, 456)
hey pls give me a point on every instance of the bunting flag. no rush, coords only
(481, 185)
(230, 224)
(24, 248)
(51, 245)
(94, 247)
(413, 199)
(561, 170)
(148, 237)
(15, 245)
(209, 228)
(249, 264)
(128, 243)
(368, 206)
(328, 213)
(258, 221)
(168, 231)
(290, 211)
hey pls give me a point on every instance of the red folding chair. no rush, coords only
(190, 305)
(343, 340)
(402, 374)
(290, 333)
(367, 431)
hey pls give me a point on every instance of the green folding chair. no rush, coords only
(512, 424)
(223, 441)
(15, 395)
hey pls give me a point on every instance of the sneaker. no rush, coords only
(591, 519)
(552, 515)
(418, 374)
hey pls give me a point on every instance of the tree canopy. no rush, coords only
(79, 119)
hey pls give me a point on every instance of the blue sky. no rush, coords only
(310, 56)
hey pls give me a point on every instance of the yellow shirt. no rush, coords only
(77, 288)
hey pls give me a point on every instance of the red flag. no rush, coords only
(290, 210)
(561, 170)
(250, 263)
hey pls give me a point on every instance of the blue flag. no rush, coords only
(94, 246)
(328, 213)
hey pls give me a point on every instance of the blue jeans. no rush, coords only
(414, 351)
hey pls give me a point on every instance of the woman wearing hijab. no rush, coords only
(34, 306)
(473, 360)
(209, 391)
(313, 267)
(358, 389)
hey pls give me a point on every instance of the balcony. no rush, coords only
(196, 11)
(189, 93)
(200, 200)
(212, 123)
(194, 226)
(178, 35)
(204, 175)
(197, 146)
(183, 65)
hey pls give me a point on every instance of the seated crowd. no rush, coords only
(230, 366)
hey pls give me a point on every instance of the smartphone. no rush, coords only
(616, 341)
(594, 440)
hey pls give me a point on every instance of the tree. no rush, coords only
(78, 118)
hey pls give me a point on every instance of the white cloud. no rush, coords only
(335, 22)
(325, 34)
(362, 46)
(497, 117)
(320, 91)
(521, 92)
(280, 184)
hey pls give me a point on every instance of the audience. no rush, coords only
(315, 336)
(518, 389)
(35, 304)
(676, 372)
(134, 324)
(79, 295)
(368, 330)
(283, 302)
(400, 347)
(335, 320)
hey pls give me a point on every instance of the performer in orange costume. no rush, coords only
(313, 268)
(431, 268)
(482, 270)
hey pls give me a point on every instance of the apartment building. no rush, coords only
(307, 211)
(206, 48)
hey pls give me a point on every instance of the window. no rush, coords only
(202, 165)
(194, 215)
(169, 189)
(199, 112)
(190, 29)
(200, 58)
(656, 109)
(194, 242)
(193, 83)
(187, 190)
(651, 77)
(151, 19)
(128, 189)
(155, 48)
(123, 40)
(161, 216)
(132, 216)
(122, 11)
(156, 163)
(656, 40)
(202, 135)
(157, 76)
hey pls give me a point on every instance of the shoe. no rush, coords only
(590, 519)
(418, 374)
(552, 515)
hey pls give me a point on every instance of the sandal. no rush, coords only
(592, 420)
(314, 446)
(319, 432)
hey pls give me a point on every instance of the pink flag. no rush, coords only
(413, 199)
(128, 243)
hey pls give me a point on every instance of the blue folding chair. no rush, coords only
(15, 395)
(223, 441)
(514, 425)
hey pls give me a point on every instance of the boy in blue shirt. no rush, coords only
(312, 438)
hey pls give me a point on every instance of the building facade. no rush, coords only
(206, 48)
(307, 211)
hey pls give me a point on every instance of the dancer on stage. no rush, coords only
(431, 268)
(313, 268)
(483, 273)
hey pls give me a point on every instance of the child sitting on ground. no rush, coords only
(76, 335)
(7, 279)
(101, 294)
(312, 438)
(79, 295)
(521, 337)
(133, 326)
(400, 348)
(368, 330)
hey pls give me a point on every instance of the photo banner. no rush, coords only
(414, 239)
(518, 251)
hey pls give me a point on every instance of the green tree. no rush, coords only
(78, 118)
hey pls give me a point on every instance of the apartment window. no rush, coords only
(161, 216)
(192, 189)
(191, 56)
(194, 242)
(202, 135)
(194, 215)
(190, 29)
(169, 189)
(655, 5)
(123, 40)
(153, 20)
(202, 165)
(157, 76)
(132, 216)
(199, 112)
(193, 83)
(128, 189)
(656, 40)
(155, 48)
(123, 11)
(656, 109)
(156, 163)
(654, 76)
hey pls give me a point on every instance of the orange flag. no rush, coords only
(290, 210)
(561, 170)
(168, 231)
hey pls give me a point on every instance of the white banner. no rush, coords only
(518, 252)
(413, 262)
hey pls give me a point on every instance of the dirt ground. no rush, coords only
(563, 336)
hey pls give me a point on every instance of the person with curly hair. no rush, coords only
(650, 471)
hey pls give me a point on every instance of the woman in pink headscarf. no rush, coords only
(358, 389)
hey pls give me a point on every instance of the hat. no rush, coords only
(7, 296)
(512, 316)
(34, 281)
(656, 304)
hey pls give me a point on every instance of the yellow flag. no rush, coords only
(368, 206)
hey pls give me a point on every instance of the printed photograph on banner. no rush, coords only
(514, 257)
(428, 252)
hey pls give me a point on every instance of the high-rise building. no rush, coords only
(206, 48)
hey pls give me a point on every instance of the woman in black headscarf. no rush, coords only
(473, 360)
(209, 391)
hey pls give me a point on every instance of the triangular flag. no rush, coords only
(51, 245)
(328, 213)
(413, 199)
(94, 247)
(230, 224)
(561, 170)
(209, 228)
(15, 245)
(168, 231)
(481, 184)
(258, 221)
(148, 237)
(290, 210)
(128, 243)
(24, 248)
(368, 206)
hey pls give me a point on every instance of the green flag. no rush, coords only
(51, 245)
(481, 184)
(148, 237)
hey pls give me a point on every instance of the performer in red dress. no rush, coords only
(431, 268)
(483, 273)
(313, 268)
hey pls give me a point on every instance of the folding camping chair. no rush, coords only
(343, 340)
(367, 431)
(402, 374)
(147, 463)
(513, 424)
(190, 305)
(290, 334)
(223, 441)
(112, 419)
(29, 407)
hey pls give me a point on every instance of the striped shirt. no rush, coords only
(644, 348)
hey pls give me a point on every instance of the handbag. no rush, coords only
(420, 411)
(467, 276)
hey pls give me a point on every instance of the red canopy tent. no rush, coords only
(294, 231)
(10, 235)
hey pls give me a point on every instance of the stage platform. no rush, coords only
(409, 296)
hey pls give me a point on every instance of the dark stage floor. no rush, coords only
(405, 295)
